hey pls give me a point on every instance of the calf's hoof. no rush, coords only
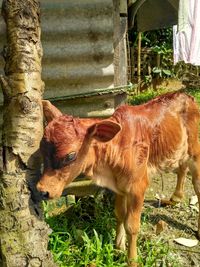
(176, 198)
(167, 202)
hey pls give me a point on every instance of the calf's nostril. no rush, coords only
(45, 195)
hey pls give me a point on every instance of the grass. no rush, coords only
(144, 96)
(85, 234)
(149, 94)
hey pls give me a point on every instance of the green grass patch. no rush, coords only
(147, 95)
(85, 236)
(143, 96)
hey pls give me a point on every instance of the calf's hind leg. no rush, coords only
(179, 191)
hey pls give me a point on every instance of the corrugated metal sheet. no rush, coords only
(78, 42)
(77, 38)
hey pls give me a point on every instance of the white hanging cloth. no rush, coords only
(186, 35)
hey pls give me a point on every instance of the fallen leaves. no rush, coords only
(193, 200)
(186, 242)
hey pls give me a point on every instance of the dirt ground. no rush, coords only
(181, 219)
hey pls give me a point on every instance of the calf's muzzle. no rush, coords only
(44, 195)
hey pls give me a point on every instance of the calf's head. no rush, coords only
(66, 149)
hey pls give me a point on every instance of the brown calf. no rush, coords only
(120, 152)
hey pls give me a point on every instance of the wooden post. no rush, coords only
(120, 52)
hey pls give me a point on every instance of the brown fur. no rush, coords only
(121, 152)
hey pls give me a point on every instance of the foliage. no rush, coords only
(153, 38)
(158, 44)
(164, 69)
(157, 59)
(85, 235)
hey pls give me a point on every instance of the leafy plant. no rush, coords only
(157, 55)
(164, 67)
(162, 72)
(147, 80)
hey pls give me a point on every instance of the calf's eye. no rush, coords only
(70, 157)
(65, 160)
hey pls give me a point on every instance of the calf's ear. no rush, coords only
(50, 111)
(104, 131)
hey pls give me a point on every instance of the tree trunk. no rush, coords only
(23, 234)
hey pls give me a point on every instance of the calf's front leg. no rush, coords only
(135, 201)
(120, 213)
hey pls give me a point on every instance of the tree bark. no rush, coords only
(23, 233)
